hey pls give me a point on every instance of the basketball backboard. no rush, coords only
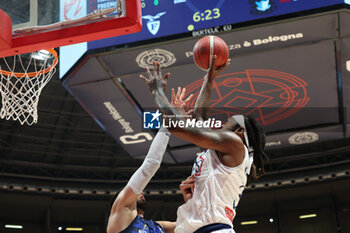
(124, 17)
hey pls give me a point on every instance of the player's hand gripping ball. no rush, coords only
(206, 48)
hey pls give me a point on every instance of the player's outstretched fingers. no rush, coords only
(172, 94)
(212, 64)
(143, 78)
(178, 93)
(223, 67)
(154, 67)
(158, 68)
(188, 99)
(183, 92)
(166, 76)
(148, 72)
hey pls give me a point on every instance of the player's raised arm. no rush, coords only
(202, 105)
(124, 209)
(224, 140)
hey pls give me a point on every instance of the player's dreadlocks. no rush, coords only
(257, 140)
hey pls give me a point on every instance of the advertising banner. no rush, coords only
(115, 114)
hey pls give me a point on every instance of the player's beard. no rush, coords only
(142, 205)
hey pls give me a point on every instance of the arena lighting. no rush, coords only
(249, 222)
(74, 229)
(307, 216)
(14, 226)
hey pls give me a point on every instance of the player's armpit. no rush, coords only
(123, 211)
(127, 198)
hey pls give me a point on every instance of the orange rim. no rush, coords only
(33, 74)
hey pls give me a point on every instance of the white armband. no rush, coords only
(152, 162)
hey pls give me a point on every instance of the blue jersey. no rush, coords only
(140, 225)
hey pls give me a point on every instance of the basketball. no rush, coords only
(206, 48)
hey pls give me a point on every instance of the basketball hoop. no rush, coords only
(23, 77)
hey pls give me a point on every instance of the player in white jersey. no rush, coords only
(217, 191)
(220, 172)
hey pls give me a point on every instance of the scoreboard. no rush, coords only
(169, 17)
(162, 18)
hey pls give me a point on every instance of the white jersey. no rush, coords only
(216, 193)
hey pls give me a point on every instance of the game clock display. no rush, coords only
(207, 15)
(168, 17)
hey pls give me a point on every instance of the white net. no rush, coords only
(22, 79)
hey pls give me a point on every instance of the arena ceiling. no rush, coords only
(67, 151)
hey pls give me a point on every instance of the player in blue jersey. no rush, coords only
(126, 211)
(126, 214)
